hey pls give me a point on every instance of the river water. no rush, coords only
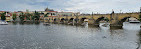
(59, 36)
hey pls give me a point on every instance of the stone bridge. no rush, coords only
(113, 18)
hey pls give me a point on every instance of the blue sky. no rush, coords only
(83, 6)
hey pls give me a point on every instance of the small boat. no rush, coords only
(46, 24)
(133, 20)
(3, 23)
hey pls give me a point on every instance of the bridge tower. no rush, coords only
(140, 10)
(140, 14)
(113, 18)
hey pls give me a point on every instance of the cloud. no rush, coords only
(83, 6)
(16, 5)
(105, 6)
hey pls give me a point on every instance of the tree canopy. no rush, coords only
(21, 16)
(14, 16)
(3, 17)
(36, 16)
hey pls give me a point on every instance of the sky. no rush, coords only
(83, 6)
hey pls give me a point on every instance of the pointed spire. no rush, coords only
(92, 13)
(140, 9)
(27, 10)
(35, 10)
(112, 11)
(120, 11)
(46, 9)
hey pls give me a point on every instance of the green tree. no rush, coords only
(14, 17)
(27, 15)
(106, 19)
(3, 17)
(46, 15)
(22, 16)
(31, 16)
(36, 16)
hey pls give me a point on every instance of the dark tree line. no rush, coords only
(28, 16)
(3, 17)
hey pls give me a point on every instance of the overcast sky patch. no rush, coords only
(83, 6)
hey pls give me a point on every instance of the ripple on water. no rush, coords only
(67, 37)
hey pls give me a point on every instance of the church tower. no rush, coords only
(140, 10)
(47, 9)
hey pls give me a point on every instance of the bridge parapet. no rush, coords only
(113, 18)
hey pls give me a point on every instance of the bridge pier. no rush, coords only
(91, 21)
(115, 23)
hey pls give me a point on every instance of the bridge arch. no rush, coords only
(126, 19)
(62, 19)
(102, 19)
(55, 20)
(71, 19)
(82, 19)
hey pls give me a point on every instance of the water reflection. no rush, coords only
(104, 27)
(131, 26)
(139, 41)
(27, 23)
(59, 36)
(14, 23)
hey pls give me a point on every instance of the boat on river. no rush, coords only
(133, 20)
(3, 23)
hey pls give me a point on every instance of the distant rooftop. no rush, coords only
(47, 9)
